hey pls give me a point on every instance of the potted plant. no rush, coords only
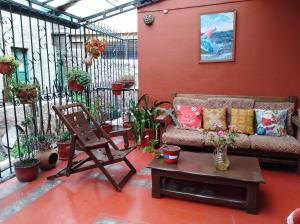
(78, 79)
(116, 88)
(26, 92)
(142, 118)
(41, 143)
(27, 166)
(8, 64)
(127, 81)
(64, 145)
(101, 112)
(95, 47)
(221, 140)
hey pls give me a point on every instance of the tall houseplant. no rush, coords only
(78, 79)
(142, 118)
(27, 166)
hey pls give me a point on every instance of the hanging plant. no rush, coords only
(78, 79)
(8, 64)
(95, 47)
(27, 93)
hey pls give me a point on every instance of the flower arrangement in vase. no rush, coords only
(221, 140)
(95, 47)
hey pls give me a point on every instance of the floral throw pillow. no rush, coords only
(271, 122)
(243, 120)
(213, 118)
(189, 116)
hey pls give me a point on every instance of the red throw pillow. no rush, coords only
(189, 116)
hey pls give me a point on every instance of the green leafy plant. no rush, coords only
(79, 75)
(101, 110)
(14, 64)
(25, 91)
(64, 136)
(142, 115)
(127, 77)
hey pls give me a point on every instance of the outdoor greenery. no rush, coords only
(143, 113)
(64, 136)
(100, 110)
(79, 75)
(127, 78)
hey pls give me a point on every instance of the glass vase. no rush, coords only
(221, 159)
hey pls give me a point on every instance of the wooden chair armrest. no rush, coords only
(163, 118)
(296, 121)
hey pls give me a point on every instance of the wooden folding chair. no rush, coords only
(89, 137)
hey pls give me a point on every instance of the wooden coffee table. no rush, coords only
(194, 177)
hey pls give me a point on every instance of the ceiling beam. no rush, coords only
(117, 10)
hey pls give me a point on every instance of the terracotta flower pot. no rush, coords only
(89, 60)
(48, 159)
(149, 135)
(116, 88)
(63, 149)
(75, 86)
(5, 67)
(28, 171)
(27, 97)
(171, 154)
(107, 127)
(129, 132)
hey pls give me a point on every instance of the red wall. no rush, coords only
(267, 49)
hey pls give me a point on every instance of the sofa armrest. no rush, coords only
(163, 120)
(296, 123)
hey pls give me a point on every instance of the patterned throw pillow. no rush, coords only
(211, 117)
(271, 122)
(189, 116)
(243, 120)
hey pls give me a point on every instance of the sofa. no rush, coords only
(279, 150)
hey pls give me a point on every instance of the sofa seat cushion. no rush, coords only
(284, 144)
(181, 136)
(242, 140)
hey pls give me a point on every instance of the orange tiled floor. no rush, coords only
(89, 198)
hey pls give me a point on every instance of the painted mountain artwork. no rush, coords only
(217, 36)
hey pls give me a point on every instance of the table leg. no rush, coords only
(156, 183)
(251, 204)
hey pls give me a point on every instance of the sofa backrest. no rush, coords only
(237, 101)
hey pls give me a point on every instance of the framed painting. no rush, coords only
(217, 36)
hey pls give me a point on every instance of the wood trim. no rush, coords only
(272, 99)
(296, 121)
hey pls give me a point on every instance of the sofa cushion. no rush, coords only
(181, 136)
(213, 117)
(188, 102)
(189, 116)
(279, 106)
(271, 122)
(243, 119)
(242, 140)
(230, 102)
(285, 144)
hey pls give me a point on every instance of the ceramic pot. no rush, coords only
(107, 127)
(27, 171)
(75, 86)
(63, 149)
(27, 97)
(221, 160)
(171, 153)
(48, 159)
(89, 60)
(117, 88)
(5, 67)
(129, 132)
(149, 135)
